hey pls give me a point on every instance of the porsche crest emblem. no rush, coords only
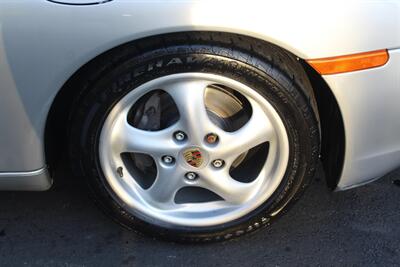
(193, 157)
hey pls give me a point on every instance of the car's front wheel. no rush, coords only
(195, 142)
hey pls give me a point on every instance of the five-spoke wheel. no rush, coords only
(195, 151)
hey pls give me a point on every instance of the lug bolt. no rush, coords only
(218, 163)
(168, 159)
(191, 176)
(211, 138)
(179, 136)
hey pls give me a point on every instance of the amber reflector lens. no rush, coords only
(340, 64)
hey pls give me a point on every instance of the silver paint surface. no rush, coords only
(38, 180)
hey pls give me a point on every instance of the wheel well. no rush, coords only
(332, 127)
(331, 123)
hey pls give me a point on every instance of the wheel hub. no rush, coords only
(194, 156)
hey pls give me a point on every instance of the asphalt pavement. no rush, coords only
(62, 227)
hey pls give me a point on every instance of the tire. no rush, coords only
(271, 73)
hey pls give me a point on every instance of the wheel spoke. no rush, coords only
(255, 132)
(154, 143)
(189, 98)
(221, 183)
(165, 186)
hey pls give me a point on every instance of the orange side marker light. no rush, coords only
(341, 64)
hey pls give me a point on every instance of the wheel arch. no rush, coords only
(324, 102)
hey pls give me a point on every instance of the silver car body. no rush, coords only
(43, 43)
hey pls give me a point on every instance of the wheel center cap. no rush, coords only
(194, 156)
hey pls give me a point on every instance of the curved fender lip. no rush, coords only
(79, 2)
(37, 180)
